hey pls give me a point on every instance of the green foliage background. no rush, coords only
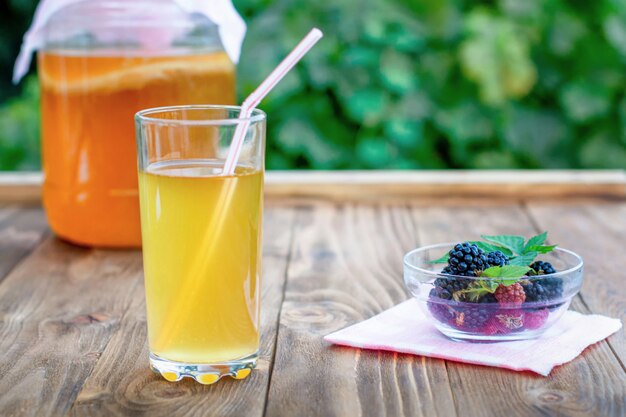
(413, 84)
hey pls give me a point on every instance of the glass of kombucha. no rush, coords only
(201, 240)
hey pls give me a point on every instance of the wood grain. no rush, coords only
(346, 267)
(485, 391)
(58, 310)
(596, 231)
(371, 186)
(122, 384)
(21, 230)
(73, 334)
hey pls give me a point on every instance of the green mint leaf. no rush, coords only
(514, 243)
(488, 247)
(442, 260)
(506, 271)
(541, 248)
(535, 241)
(523, 260)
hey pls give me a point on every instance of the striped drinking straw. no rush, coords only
(259, 94)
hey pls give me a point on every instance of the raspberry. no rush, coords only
(466, 259)
(541, 268)
(493, 327)
(536, 318)
(471, 317)
(497, 258)
(510, 294)
(504, 321)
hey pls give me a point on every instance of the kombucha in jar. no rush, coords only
(93, 81)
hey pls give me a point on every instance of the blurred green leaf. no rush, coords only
(603, 151)
(409, 84)
(436, 67)
(405, 133)
(585, 100)
(397, 72)
(414, 106)
(466, 122)
(497, 57)
(358, 56)
(367, 106)
(535, 134)
(301, 138)
(373, 152)
(526, 10)
(564, 32)
(622, 118)
(615, 32)
(494, 160)
(19, 130)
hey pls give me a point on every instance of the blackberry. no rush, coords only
(534, 292)
(445, 287)
(553, 287)
(466, 259)
(471, 317)
(497, 258)
(440, 311)
(488, 298)
(541, 268)
(543, 289)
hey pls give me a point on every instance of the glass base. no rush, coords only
(204, 373)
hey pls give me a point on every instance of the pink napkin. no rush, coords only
(404, 328)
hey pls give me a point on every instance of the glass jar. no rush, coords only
(102, 61)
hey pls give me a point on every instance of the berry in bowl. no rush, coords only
(502, 288)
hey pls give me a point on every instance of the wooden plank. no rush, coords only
(374, 185)
(596, 231)
(58, 309)
(398, 185)
(22, 187)
(122, 384)
(346, 267)
(592, 384)
(21, 230)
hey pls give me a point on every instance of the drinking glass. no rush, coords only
(201, 235)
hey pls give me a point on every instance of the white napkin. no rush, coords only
(231, 27)
(405, 328)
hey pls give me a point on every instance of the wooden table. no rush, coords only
(72, 320)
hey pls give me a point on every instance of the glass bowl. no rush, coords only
(461, 315)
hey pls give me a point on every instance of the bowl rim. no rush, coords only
(411, 266)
